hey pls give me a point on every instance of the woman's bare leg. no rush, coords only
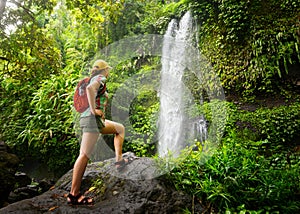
(89, 139)
(87, 144)
(119, 131)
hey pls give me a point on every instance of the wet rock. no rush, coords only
(27, 190)
(22, 179)
(21, 193)
(45, 184)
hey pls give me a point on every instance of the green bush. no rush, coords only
(237, 178)
(14, 108)
(250, 43)
(279, 125)
(144, 117)
(49, 135)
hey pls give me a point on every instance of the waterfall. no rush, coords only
(174, 60)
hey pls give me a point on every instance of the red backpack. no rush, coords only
(80, 99)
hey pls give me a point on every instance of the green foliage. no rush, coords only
(20, 14)
(48, 134)
(28, 52)
(97, 11)
(98, 187)
(156, 17)
(98, 15)
(14, 106)
(251, 44)
(75, 38)
(143, 117)
(279, 125)
(237, 178)
(127, 23)
(24, 60)
(39, 123)
(145, 17)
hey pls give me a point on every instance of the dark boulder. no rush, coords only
(8, 166)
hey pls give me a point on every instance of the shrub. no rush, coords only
(279, 125)
(14, 108)
(48, 134)
(237, 177)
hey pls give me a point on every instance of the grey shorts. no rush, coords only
(91, 124)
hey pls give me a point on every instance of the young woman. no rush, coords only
(92, 123)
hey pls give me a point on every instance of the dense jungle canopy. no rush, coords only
(253, 46)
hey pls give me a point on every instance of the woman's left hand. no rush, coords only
(100, 113)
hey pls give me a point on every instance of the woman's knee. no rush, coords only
(113, 128)
(83, 155)
(121, 129)
(82, 159)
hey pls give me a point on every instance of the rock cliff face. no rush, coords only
(135, 190)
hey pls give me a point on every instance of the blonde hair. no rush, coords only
(95, 71)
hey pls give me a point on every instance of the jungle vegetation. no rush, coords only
(47, 45)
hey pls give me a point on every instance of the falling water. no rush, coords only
(174, 60)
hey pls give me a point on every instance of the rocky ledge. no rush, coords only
(140, 188)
